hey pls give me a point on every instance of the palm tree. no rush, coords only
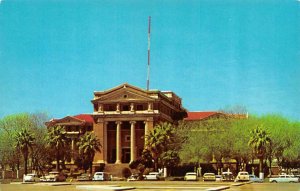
(24, 142)
(57, 139)
(88, 145)
(258, 141)
(158, 139)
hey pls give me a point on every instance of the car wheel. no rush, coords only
(274, 181)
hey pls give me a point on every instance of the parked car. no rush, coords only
(54, 177)
(218, 178)
(254, 178)
(84, 177)
(209, 177)
(31, 178)
(242, 176)
(284, 178)
(227, 176)
(133, 177)
(190, 176)
(152, 176)
(101, 176)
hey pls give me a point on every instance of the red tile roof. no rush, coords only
(199, 115)
(85, 117)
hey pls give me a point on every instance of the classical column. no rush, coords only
(118, 143)
(105, 141)
(148, 127)
(132, 141)
(72, 150)
(72, 144)
(146, 132)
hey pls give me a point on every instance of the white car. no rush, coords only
(284, 178)
(242, 176)
(133, 177)
(152, 176)
(209, 176)
(103, 176)
(53, 177)
(31, 178)
(190, 176)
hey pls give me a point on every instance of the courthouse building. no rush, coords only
(121, 119)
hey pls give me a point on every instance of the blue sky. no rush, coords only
(55, 53)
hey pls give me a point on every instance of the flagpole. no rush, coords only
(148, 70)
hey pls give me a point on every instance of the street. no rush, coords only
(267, 187)
(151, 185)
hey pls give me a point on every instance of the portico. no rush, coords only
(124, 115)
(123, 140)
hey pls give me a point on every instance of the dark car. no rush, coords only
(227, 176)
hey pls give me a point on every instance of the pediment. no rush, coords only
(68, 120)
(125, 95)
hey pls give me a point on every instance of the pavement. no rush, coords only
(218, 188)
(104, 187)
(117, 186)
(53, 183)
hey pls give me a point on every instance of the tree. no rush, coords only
(88, 145)
(159, 141)
(143, 162)
(10, 126)
(197, 147)
(259, 139)
(57, 139)
(24, 142)
(240, 135)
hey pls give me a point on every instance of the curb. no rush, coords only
(54, 184)
(240, 184)
(104, 187)
(218, 188)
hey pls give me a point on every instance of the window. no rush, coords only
(139, 107)
(111, 108)
(127, 138)
(125, 108)
(126, 125)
